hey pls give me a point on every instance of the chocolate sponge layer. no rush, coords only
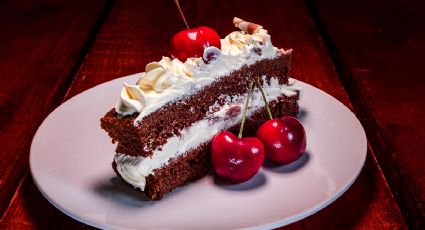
(195, 163)
(154, 129)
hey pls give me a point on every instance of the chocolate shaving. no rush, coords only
(247, 27)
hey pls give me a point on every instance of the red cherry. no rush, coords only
(192, 42)
(284, 139)
(236, 159)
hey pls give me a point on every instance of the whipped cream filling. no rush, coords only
(134, 170)
(169, 80)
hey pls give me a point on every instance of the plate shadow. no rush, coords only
(288, 168)
(302, 115)
(255, 182)
(122, 193)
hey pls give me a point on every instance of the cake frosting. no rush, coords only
(134, 170)
(169, 79)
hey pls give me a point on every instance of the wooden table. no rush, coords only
(369, 55)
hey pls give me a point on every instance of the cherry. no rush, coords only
(236, 159)
(284, 139)
(192, 42)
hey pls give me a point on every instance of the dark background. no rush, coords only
(367, 54)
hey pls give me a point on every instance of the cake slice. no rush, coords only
(163, 125)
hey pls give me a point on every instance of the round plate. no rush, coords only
(71, 159)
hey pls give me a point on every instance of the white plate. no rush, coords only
(71, 159)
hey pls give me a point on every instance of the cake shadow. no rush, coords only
(255, 182)
(122, 193)
(288, 168)
(302, 114)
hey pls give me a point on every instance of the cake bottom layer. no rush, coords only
(195, 163)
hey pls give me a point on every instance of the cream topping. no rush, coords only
(134, 170)
(132, 100)
(170, 79)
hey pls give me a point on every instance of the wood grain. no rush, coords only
(41, 43)
(30, 210)
(352, 211)
(378, 50)
(137, 32)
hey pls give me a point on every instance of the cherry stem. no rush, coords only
(251, 84)
(264, 99)
(181, 13)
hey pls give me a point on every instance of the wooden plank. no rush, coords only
(136, 33)
(40, 47)
(30, 210)
(369, 194)
(378, 48)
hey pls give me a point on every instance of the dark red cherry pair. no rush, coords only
(281, 140)
(238, 159)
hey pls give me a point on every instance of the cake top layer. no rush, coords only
(170, 79)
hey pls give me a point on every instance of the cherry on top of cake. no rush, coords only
(192, 42)
(170, 79)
